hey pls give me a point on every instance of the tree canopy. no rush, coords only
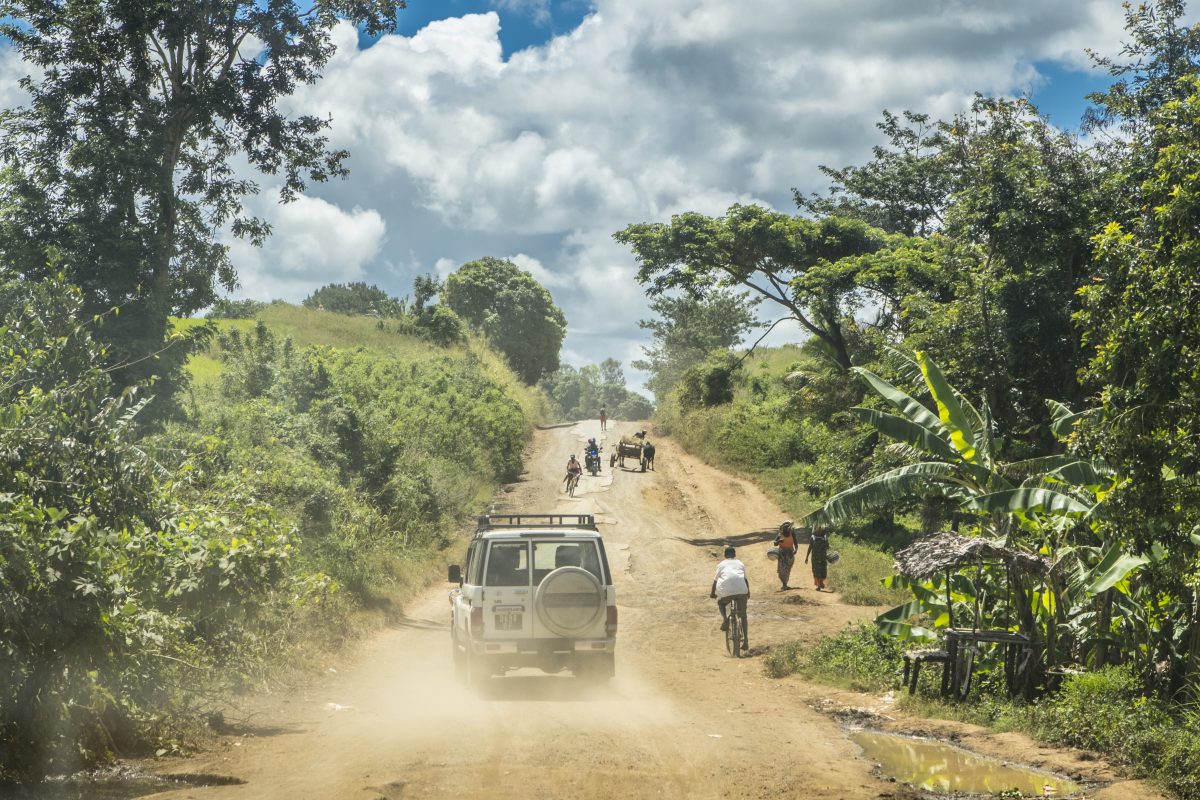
(805, 266)
(687, 330)
(512, 310)
(122, 169)
(355, 298)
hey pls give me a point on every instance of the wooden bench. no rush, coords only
(913, 659)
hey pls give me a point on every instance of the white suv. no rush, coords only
(536, 591)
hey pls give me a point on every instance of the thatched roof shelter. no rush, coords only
(944, 551)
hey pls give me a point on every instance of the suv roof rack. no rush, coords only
(488, 522)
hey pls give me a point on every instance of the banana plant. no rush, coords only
(953, 440)
(1046, 500)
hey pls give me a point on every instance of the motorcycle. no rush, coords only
(591, 462)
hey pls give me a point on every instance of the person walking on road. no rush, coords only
(603, 418)
(730, 585)
(785, 540)
(818, 550)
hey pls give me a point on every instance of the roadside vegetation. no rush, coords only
(1105, 712)
(318, 464)
(1002, 338)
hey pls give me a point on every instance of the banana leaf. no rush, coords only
(1027, 500)
(1062, 419)
(882, 491)
(904, 403)
(950, 410)
(930, 440)
(902, 630)
(1115, 567)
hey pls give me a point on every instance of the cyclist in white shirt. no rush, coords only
(730, 585)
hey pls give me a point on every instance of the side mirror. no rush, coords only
(454, 574)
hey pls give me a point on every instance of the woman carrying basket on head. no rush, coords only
(785, 540)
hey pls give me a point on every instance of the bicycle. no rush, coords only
(733, 633)
(572, 482)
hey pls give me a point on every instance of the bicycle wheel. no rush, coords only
(733, 634)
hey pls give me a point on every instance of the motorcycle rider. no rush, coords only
(592, 451)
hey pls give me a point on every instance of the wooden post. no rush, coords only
(949, 602)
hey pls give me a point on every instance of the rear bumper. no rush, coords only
(542, 647)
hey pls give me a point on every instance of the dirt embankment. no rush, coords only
(681, 719)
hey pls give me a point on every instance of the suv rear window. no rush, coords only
(549, 556)
(508, 564)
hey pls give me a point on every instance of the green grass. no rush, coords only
(311, 327)
(859, 574)
(859, 657)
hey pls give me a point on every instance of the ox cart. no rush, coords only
(630, 447)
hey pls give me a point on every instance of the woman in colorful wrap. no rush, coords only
(785, 540)
(818, 551)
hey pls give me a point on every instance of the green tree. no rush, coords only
(581, 393)
(124, 160)
(687, 330)
(1141, 321)
(904, 189)
(512, 310)
(1001, 204)
(805, 266)
(355, 298)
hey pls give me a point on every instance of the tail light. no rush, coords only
(477, 621)
(610, 625)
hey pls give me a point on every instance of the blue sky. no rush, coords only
(522, 24)
(1062, 95)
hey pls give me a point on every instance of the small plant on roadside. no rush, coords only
(858, 657)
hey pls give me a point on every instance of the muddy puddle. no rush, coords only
(939, 767)
(108, 785)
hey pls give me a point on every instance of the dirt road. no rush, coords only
(681, 719)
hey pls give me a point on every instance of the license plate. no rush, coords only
(508, 620)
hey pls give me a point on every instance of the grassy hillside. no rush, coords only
(373, 443)
(308, 327)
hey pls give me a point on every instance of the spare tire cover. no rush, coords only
(570, 601)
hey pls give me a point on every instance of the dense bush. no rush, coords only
(372, 456)
(224, 308)
(107, 584)
(858, 657)
(138, 574)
